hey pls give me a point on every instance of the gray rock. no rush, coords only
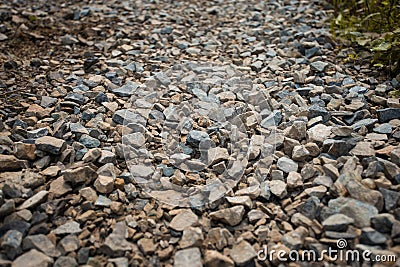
(242, 253)
(287, 165)
(42, 243)
(395, 155)
(65, 261)
(194, 138)
(360, 211)
(387, 114)
(126, 90)
(183, 219)
(11, 242)
(383, 222)
(33, 258)
(88, 141)
(125, 117)
(48, 101)
(319, 66)
(337, 223)
(316, 111)
(33, 134)
(116, 244)
(51, 145)
(34, 200)
(365, 122)
(232, 216)
(391, 198)
(384, 128)
(278, 188)
(71, 227)
(274, 119)
(188, 257)
(370, 236)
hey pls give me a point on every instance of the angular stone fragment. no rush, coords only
(231, 216)
(51, 145)
(242, 253)
(33, 258)
(188, 257)
(183, 219)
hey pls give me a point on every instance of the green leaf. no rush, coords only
(384, 46)
(362, 42)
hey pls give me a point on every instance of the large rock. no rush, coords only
(183, 219)
(360, 211)
(32, 258)
(188, 257)
(10, 163)
(83, 174)
(51, 145)
(242, 253)
(388, 114)
(231, 216)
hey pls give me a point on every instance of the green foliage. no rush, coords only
(372, 25)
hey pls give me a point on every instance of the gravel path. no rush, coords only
(191, 133)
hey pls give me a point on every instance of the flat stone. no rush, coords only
(319, 66)
(71, 227)
(231, 216)
(33, 134)
(363, 149)
(65, 261)
(384, 128)
(360, 211)
(125, 117)
(48, 101)
(42, 243)
(191, 237)
(365, 122)
(242, 253)
(274, 119)
(183, 219)
(59, 187)
(287, 165)
(278, 188)
(188, 257)
(370, 236)
(83, 174)
(337, 223)
(32, 258)
(51, 145)
(387, 114)
(34, 200)
(319, 133)
(342, 131)
(10, 163)
(395, 155)
(126, 90)
(217, 154)
(88, 141)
